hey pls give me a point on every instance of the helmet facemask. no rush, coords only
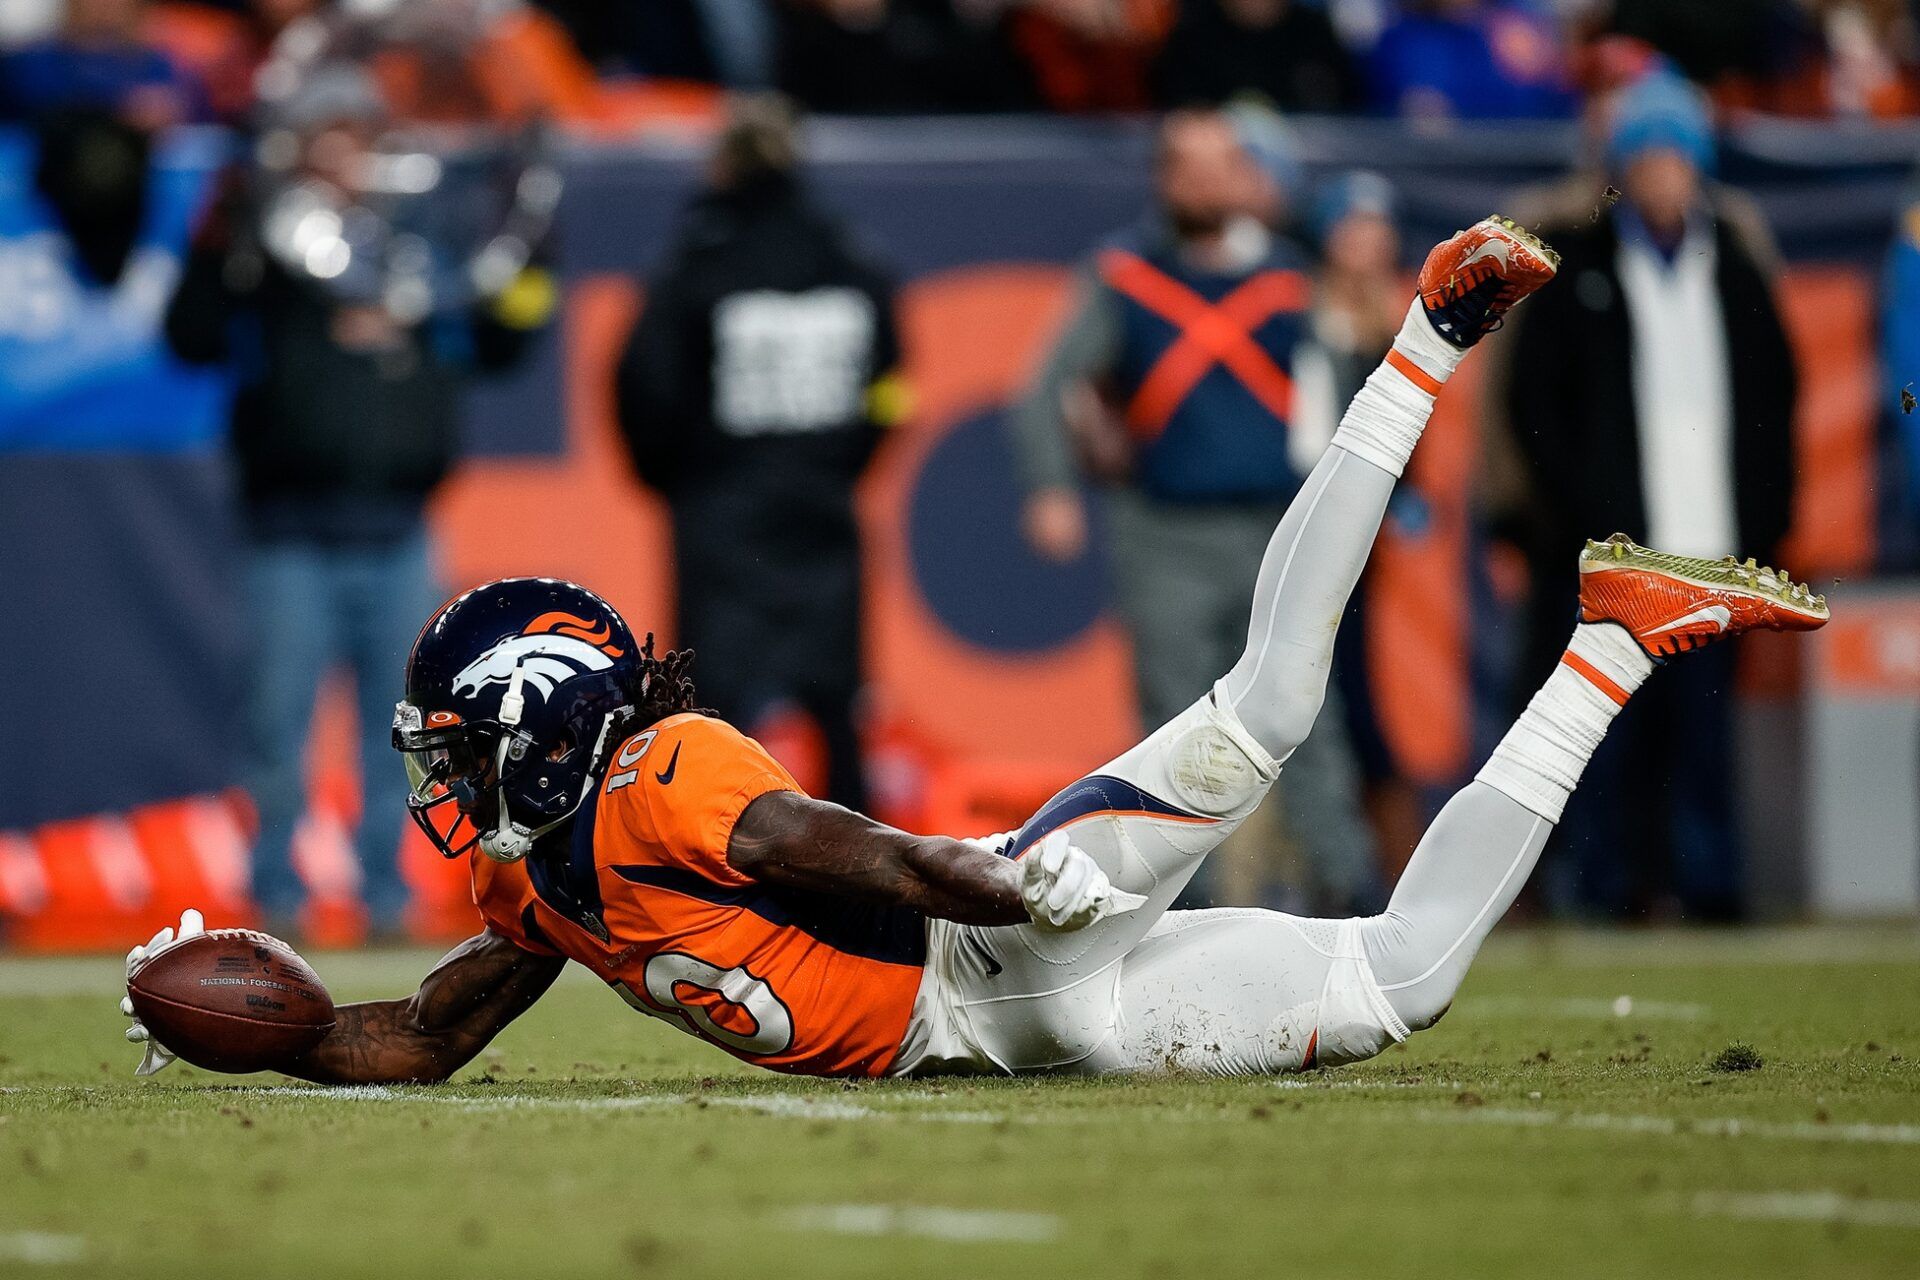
(471, 770)
(450, 771)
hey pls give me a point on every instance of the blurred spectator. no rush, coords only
(1090, 55)
(344, 422)
(1652, 391)
(1872, 52)
(1900, 369)
(752, 395)
(100, 59)
(661, 38)
(1284, 51)
(1359, 301)
(92, 236)
(1172, 382)
(456, 62)
(1358, 306)
(240, 48)
(1469, 60)
(898, 56)
(724, 41)
(25, 20)
(1608, 68)
(92, 171)
(1757, 54)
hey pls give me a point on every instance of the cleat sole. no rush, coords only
(1527, 239)
(1724, 574)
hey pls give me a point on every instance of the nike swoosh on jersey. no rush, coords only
(673, 762)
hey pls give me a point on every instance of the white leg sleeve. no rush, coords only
(1474, 860)
(1315, 558)
(1469, 868)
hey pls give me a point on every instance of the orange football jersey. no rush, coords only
(643, 895)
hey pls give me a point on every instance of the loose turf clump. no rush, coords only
(1738, 1056)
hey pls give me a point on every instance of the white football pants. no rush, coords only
(1231, 991)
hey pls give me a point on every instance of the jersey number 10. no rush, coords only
(730, 1007)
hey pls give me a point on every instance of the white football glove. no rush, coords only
(995, 844)
(157, 1057)
(1064, 889)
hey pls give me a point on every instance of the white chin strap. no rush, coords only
(509, 841)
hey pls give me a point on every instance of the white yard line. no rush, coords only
(1773, 945)
(1906, 1135)
(1623, 1006)
(927, 1222)
(805, 1107)
(1806, 1206)
(41, 1248)
(341, 1092)
(1322, 1083)
(786, 1105)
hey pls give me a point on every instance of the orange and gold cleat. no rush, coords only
(1671, 604)
(1471, 281)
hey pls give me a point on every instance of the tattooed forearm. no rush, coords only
(476, 989)
(788, 839)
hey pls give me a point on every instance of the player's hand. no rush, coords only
(157, 1057)
(1064, 889)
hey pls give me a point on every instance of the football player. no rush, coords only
(610, 821)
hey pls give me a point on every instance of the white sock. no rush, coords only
(1385, 420)
(1539, 762)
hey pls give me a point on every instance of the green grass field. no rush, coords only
(1547, 1128)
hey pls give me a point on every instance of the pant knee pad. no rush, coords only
(1214, 765)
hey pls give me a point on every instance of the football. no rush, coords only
(232, 1000)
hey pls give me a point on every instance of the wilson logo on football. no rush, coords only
(553, 648)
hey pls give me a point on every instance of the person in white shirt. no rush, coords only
(1653, 391)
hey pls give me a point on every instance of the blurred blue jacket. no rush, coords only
(1900, 363)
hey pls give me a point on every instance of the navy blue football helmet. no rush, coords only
(516, 692)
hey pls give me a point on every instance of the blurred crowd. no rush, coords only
(621, 60)
(1207, 357)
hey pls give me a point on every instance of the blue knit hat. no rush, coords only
(1661, 110)
(1354, 192)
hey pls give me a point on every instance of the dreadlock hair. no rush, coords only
(665, 689)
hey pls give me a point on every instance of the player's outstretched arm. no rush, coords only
(785, 838)
(476, 989)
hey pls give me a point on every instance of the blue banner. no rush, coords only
(83, 366)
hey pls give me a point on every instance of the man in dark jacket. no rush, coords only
(753, 394)
(1652, 392)
(344, 420)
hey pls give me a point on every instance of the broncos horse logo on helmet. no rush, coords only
(554, 648)
(515, 693)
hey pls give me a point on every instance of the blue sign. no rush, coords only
(85, 366)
